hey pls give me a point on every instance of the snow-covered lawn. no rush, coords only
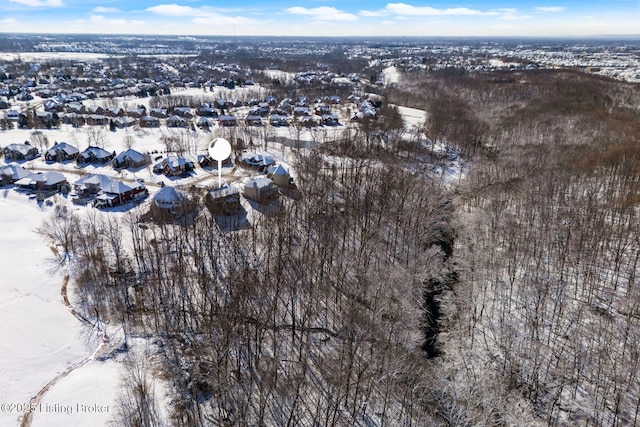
(40, 337)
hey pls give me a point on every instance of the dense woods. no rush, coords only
(380, 297)
(548, 244)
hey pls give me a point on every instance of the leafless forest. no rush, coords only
(378, 297)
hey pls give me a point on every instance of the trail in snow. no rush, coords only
(27, 418)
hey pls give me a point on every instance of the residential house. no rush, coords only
(183, 112)
(278, 120)
(160, 113)
(226, 121)
(173, 166)
(97, 120)
(176, 122)
(169, 203)
(61, 152)
(258, 161)
(115, 112)
(301, 111)
(203, 123)
(124, 122)
(253, 120)
(279, 175)
(149, 122)
(46, 119)
(321, 109)
(20, 152)
(223, 201)
(261, 190)
(91, 184)
(73, 119)
(12, 173)
(330, 119)
(205, 110)
(43, 181)
(95, 155)
(136, 112)
(96, 109)
(117, 193)
(130, 159)
(271, 100)
(309, 121)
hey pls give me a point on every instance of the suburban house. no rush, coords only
(183, 112)
(117, 193)
(203, 123)
(97, 120)
(114, 112)
(124, 122)
(43, 181)
(130, 159)
(258, 161)
(20, 152)
(96, 109)
(96, 155)
(279, 175)
(253, 120)
(226, 120)
(278, 120)
(73, 119)
(205, 110)
(46, 119)
(177, 122)
(173, 166)
(136, 112)
(169, 203)
(149, 122)
(321, 109)
(107, 190)
(330, 120)
(309, 121)
(160, 113)
(91, 184)
(61, 152)
(261, 190)
(223, 201)
(12, 173)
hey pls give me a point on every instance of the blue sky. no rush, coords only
(324, 17)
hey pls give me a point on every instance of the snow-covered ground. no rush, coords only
(40, 337)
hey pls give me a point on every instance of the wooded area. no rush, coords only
(380, 297)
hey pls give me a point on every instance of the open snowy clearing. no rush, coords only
(41, 338)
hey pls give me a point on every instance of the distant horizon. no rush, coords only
(325, 18)
(346, 37)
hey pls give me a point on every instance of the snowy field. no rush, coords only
(40, 337)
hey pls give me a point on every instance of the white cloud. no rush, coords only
(102, 9)
(39, 3)
(174, 10)
(403, 9)
(324, 13)
(551, 9)
(511, 14)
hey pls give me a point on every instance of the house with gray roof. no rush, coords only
(60, 152)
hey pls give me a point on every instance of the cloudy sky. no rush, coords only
(324, 17)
